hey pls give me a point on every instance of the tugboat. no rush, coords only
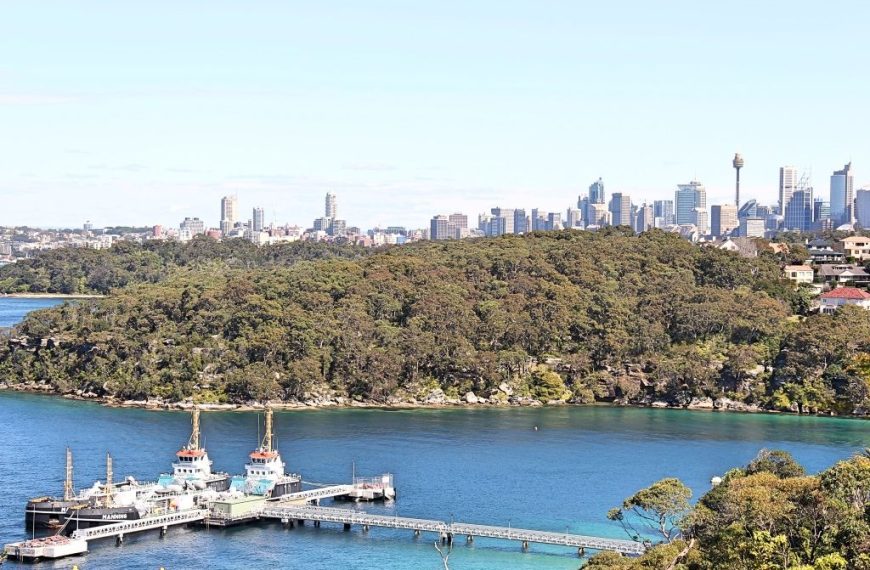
(50, 512)
(107, 504)
(192, 471)
(264, 474)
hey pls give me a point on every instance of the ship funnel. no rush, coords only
(68, 487)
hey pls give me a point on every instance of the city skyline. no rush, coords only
(527, 112)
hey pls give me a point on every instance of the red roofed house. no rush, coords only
(836, 298)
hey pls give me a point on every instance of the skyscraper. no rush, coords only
(439, 228)
(573, 218)
(644, 218)
(459, 220)
(229, 211)
(620, 209)
(521, 222)
(596, 192)
(663, 212)
(862, 208)
(687, 199)
(507, 214)
(788, 180)
(798, 214)
(842, 196)
(331, 209)
(258, 219)
(723, 219)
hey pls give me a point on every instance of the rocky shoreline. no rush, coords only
(435, 400)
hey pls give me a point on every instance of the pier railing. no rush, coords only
(449, 530)
(126, 527)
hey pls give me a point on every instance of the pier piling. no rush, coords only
(346, 526)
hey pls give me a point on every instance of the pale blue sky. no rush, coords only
(145, 112)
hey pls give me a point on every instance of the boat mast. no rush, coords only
(109, 487)
(266, 444)
(194, 435)
(68, 488)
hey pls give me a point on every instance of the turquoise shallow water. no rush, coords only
(483, 465)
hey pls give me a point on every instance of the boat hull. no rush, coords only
(88, 517)
(48, 513)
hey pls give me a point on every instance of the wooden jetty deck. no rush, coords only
(287, 513)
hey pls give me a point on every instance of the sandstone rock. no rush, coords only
(506, 389)
(470, 398)
(659, 404)
(701, 404)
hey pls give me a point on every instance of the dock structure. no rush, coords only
(158, 522)
(446, 531)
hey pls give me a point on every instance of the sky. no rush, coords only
(142, 113)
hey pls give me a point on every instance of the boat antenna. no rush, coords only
(266, 444)
(68, 487)
(108, 479)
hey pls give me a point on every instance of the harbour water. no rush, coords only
(13, 310)
(476, 465)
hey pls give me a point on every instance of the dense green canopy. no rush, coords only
(577, 316)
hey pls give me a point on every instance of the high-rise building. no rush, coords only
(723, 219)
(439, 228)
(259, 220)
(539, 220)
(663, 213)
(862, 207)
(596, 192)
(459, 220)
(598, 215)
(229, 213)
(788, 181)
(507, 214)
(752, 227)
(554, 221)
(573, 218)
(194, 226)
(620, 209)
(821, 213)
(748, 210)
(842, 196)
(798, 215)
(644, 218)
(330, 206)
(687, 199)
(521, 222)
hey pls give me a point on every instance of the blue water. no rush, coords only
(13, 310)
(478, 465)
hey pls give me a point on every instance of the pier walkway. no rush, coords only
(162, 522)
(316, 494)
(447, 531)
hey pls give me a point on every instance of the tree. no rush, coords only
(661, 507)
(778, 462)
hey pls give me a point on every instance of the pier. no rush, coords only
(447, 531)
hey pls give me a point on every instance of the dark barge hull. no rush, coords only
(48, 513)
(88, 517)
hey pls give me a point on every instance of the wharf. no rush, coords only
(446, 531)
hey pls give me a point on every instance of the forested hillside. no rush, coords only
(564, 316)
(99, 271)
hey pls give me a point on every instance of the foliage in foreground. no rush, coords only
(562, 316)
(768, 516)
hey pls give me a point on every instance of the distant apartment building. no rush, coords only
(503, 221)
(596, 192)
(573, 218)
(644, 218)
(723, 219)
(229, 213)
(258, 220)
(798, 214)
(330, 206)
(598, 216)
(194, 226)
(439, 228)
(521, 221)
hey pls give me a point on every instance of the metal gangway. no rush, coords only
(316, 494)
(287, 513)
(162, 522)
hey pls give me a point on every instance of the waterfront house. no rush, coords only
(857, 247)
(841, 296)
(825, 254)
(843, 274)
(799, 273)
